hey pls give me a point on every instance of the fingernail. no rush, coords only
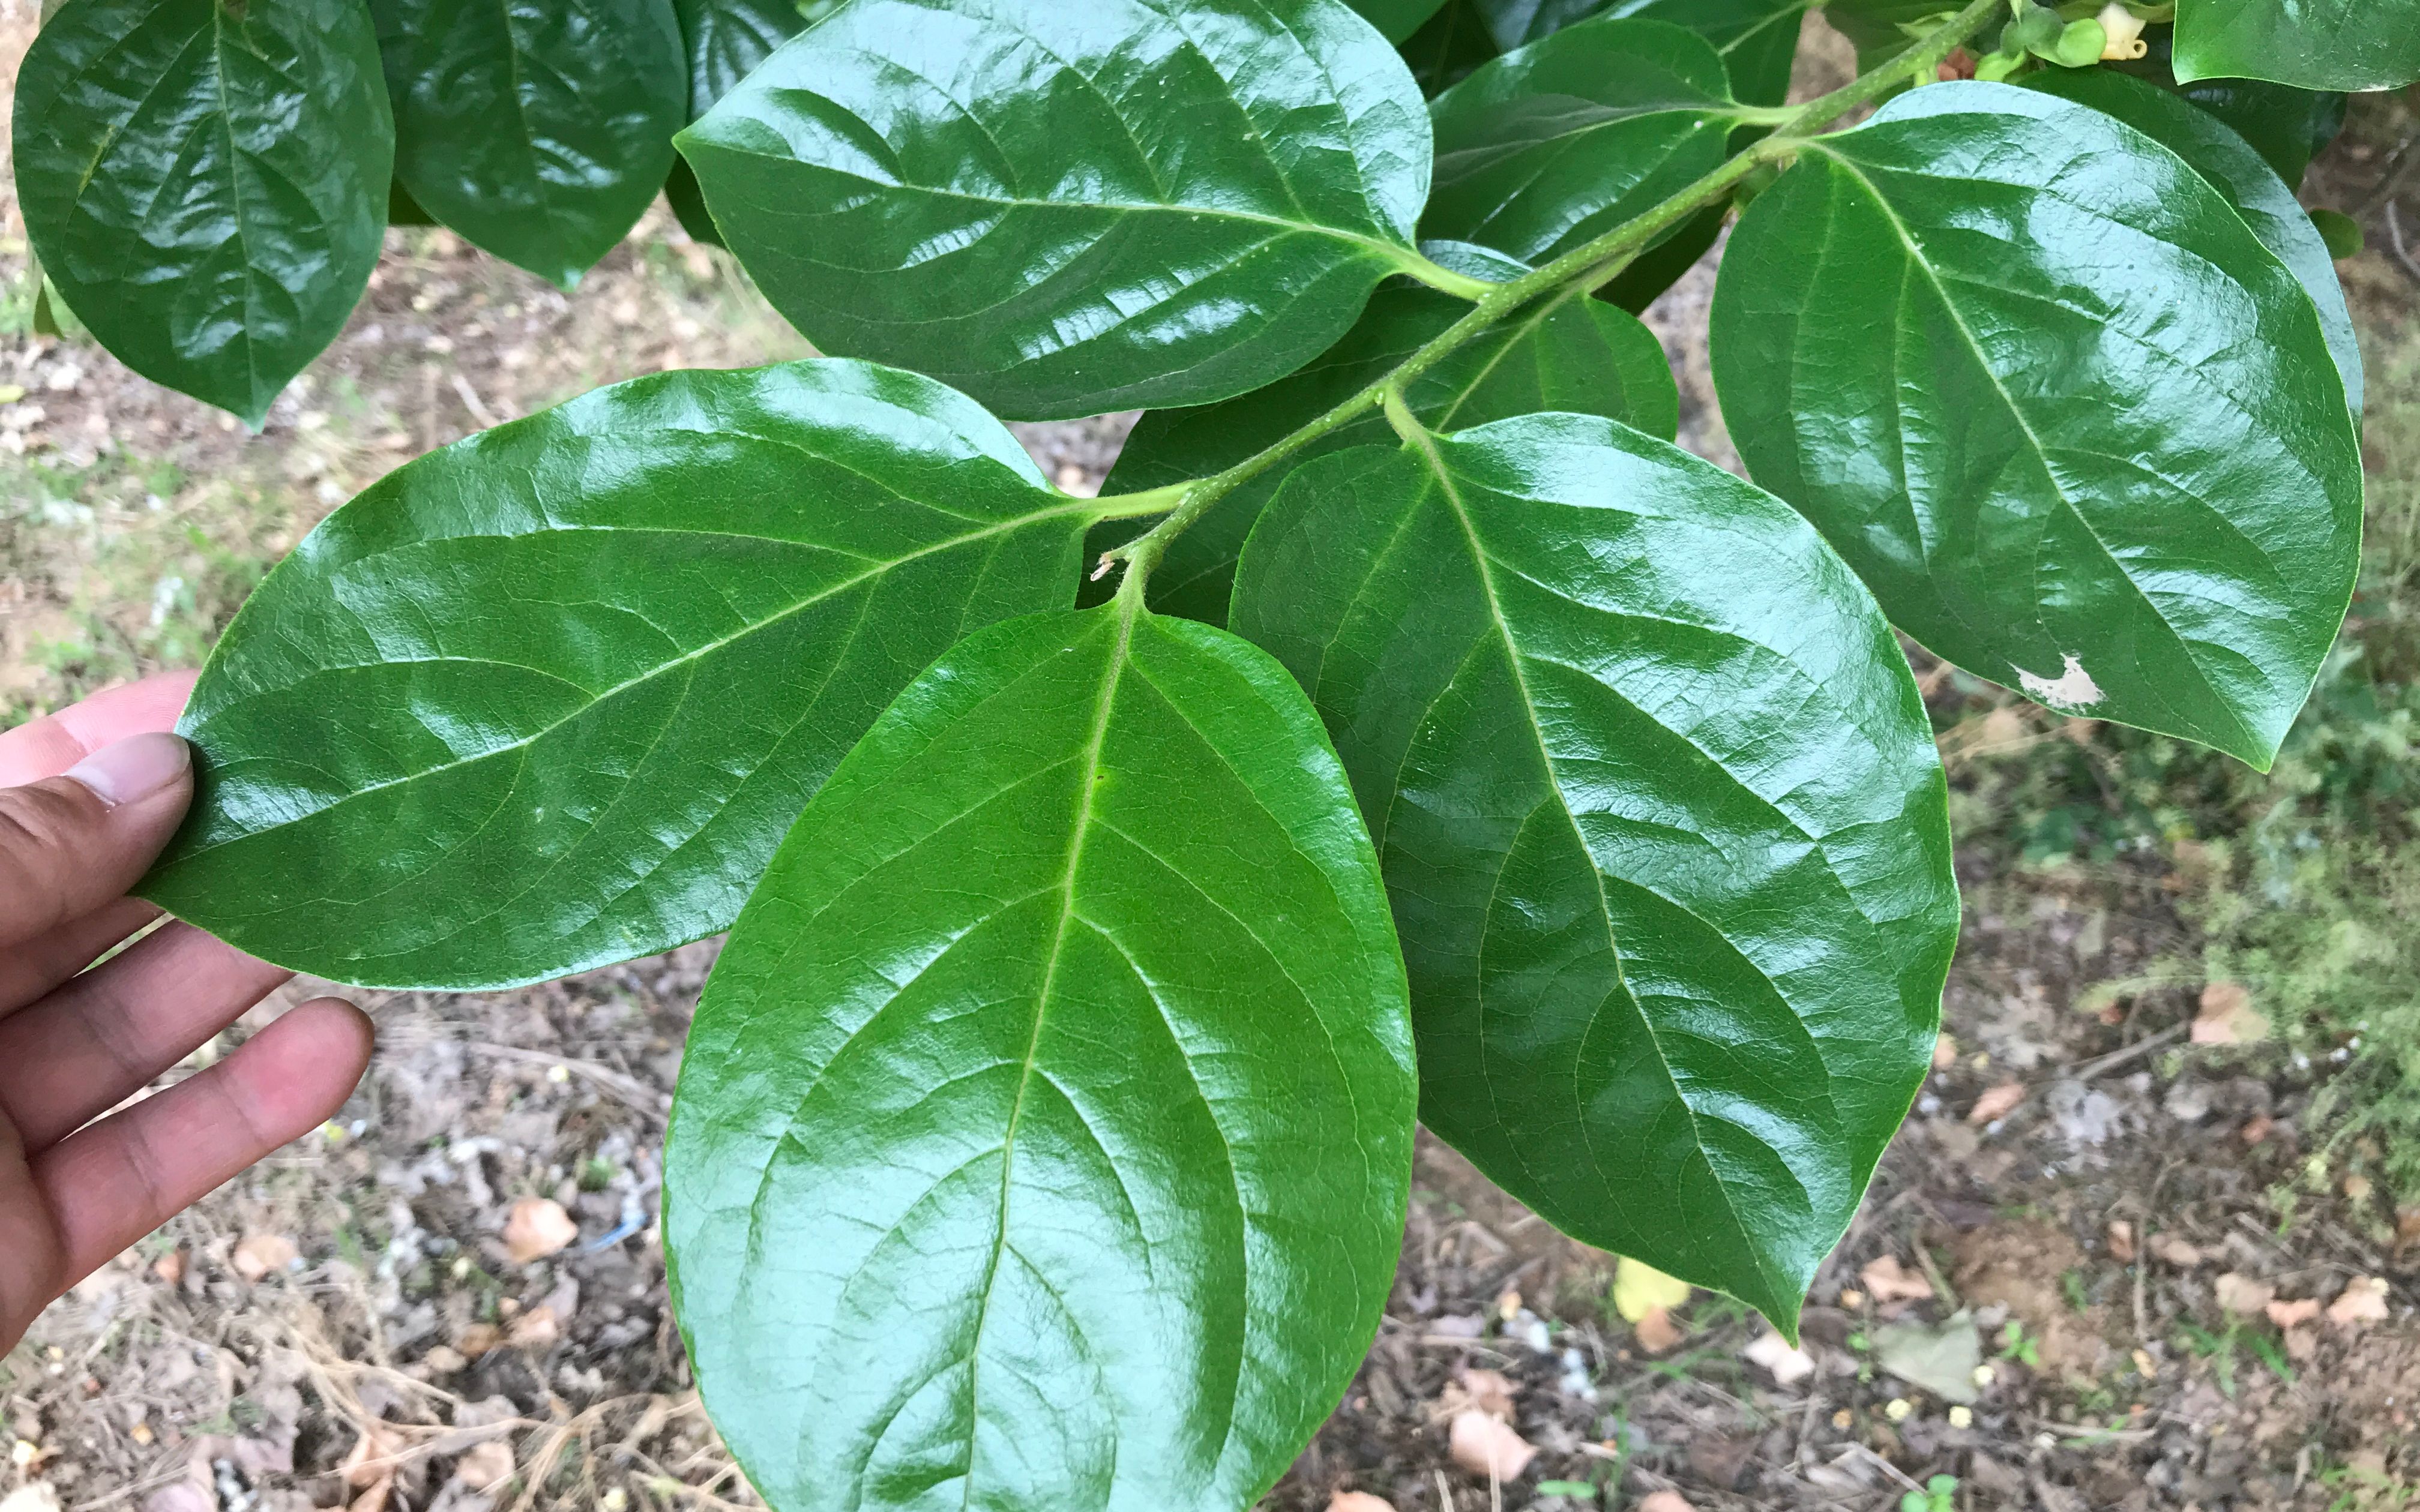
(132, 768)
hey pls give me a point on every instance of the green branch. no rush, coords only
(1584, 266)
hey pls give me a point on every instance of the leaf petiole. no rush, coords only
(1584, 266)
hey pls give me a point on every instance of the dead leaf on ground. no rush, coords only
(1359, 1501)
(486, 1466)
(1639, 1288)
(1490, 1390)
(1937, 1357)
(1487, 1447)
(1887, 1281)
(169, 1269)
(1656, 1333)
(536, 1229)
(1944, 1052)
(2257, 1129)
(1787, 1366)
(1997, 1103)
(2363, 1300)
(2227, 1016)
(262, 1254)
(2243, 1296)
(2292, 1314)
(2176, 1252)
(2121, 1241)
(1665, 1502)
(372, 1456)
(538, 1329)
(478, 1339)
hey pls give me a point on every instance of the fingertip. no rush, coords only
(299, 1069)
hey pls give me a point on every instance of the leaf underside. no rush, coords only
(1070, 208)
(1045, 1134)
(207, 186)
(2043, 388)
(1660, 818)
(549, 698)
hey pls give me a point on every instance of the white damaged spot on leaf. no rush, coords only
(2072, 688)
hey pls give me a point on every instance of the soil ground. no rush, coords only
(2078, 1281)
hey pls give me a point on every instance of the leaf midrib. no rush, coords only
(2041, 454)
(1087, 779)
(1426, 444)
(1073, 508)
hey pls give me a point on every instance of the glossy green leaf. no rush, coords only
(2040, 385)
(1442, 52)
(1757, 39)
(1072, 208)
(1396, 20)
(1571, 354)
(2289, 127)
(726, 40)
(1045, 1134)
(540, 131)
(549, 698)
(2236, 171)
(2313, 45)
(1551, 146)
(2286, 127)
(205, 182)
(1660, 817)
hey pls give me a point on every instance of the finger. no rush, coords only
(100, 1038)
(30, 1278)
(37, 965)
(70, 845)
(116, 1182)
(50, 745)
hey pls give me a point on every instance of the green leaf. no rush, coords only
(2340, 232)
(548, 699)
(1396, 20)
(1757, 39)
(726, 40)
(689, 205)
(1545, 148)
(1569, 354)
(540, 131)
(2039, 384)
(2236, 171)
(1660, 817)
(2315, 44)
(2286, 127)
(1078, 206)
(1882, 29)
(205, 182)
(1046, 1132)
(1442, 54)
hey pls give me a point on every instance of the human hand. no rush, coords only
(87, 798)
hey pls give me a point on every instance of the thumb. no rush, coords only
(72, 842)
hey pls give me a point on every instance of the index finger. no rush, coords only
(50, 745)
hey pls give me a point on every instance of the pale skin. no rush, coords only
(87, 798)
